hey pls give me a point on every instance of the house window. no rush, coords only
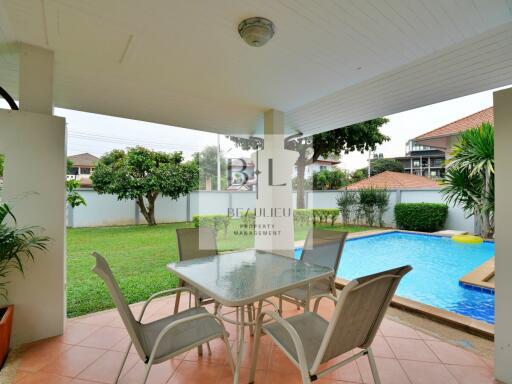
(74, 171)
(323, 167)
(85, 171)
(416, 163)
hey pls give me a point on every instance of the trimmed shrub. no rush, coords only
(423, 217)
(302, 217)
(215, 222)
(323, 215)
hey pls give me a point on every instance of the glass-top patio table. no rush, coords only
(240, 279)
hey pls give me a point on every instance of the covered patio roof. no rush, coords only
(329, 64)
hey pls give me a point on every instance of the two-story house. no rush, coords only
(425, 155)
(83, 165)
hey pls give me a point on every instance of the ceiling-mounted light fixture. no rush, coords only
(256, 31)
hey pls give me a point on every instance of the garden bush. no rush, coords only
(215, 222)
(302, 217)
(365, 206)
(325, 215)
(424, 217)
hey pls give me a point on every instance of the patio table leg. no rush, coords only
(250, 316)
(308, 298)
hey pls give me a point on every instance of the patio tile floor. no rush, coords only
(91, 349)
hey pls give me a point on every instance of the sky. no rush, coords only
(98, 134)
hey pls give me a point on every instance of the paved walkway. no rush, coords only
(90, 352)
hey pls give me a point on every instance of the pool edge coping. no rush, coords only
(442, 316)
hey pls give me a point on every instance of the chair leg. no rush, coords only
(122, 363)
(373, 366)
(280, 306)
(255, 350)
(231, 363)
(146, 373)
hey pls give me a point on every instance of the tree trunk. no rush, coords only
(301, 169)
(149, 211)
(486, 230)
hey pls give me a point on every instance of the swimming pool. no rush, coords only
(438, 264)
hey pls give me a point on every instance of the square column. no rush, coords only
(274, 206)
(34, 144)
(503, 187)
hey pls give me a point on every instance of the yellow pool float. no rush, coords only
(468, 239)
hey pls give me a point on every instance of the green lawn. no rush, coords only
(137, 256)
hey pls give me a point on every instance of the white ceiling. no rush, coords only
(330, 63)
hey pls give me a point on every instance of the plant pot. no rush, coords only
(6, 314)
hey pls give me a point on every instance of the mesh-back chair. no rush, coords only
(322, 247)
(194, 243)
(160, 340)
(309, 340)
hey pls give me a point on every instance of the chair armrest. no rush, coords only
(320, 297)
(161, 293)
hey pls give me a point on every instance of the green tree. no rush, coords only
(469, 178)
(206, 161)
(143, 175)
(359, 175)
(73, 198)
(69, 166)
(360, 137)
(330, 179)
(378, 166)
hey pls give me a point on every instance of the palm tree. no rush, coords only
(469, 179)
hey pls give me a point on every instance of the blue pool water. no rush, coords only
(438, 264)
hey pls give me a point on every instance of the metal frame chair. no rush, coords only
(160, 340)
(195, 243)
(309, 340)
(322, 247)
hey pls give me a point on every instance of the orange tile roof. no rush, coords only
(471, 121)
(394, 180)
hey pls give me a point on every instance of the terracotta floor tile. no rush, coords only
(218, 356)
(394, 329)
(102, 339)
(226, 376)
(73, 361)
(450, 354)
(411, 349)
(263, 355)
(39, 353)
(110, 318)
(390, 371)
(76, 332)
(122, 345)
(105, 338)
(104, 370)
(159, 374)
(44, 378)
(189, 372)
(471, 375)
(427, 373)
(381, 348)
(279, 362)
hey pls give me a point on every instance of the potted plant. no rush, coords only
(17, 245)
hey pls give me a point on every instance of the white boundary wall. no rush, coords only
(104, 210)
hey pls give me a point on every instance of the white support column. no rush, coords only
(36, 79)
(503, 159)
(274, 205)
(34, 145)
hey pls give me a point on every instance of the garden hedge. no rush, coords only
(423, 217)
